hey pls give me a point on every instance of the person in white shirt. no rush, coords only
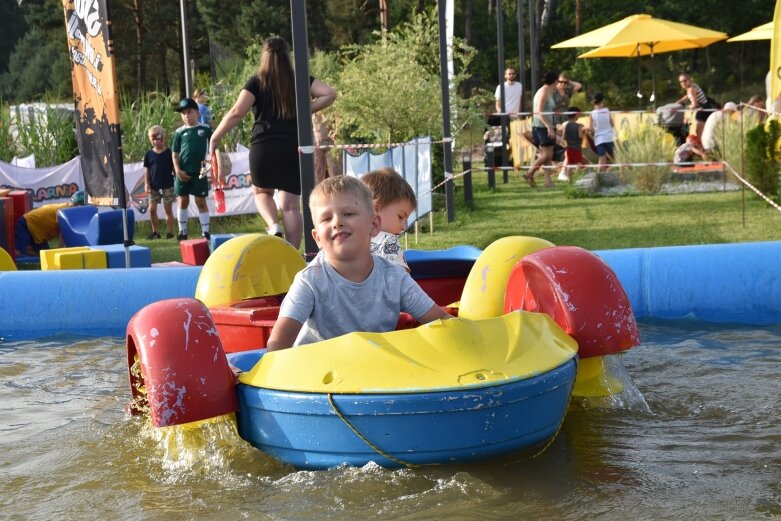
(601, 128)
(711, 133)
(513, 91)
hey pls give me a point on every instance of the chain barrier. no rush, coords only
(367, 146)
(753, 188)
(609, 165)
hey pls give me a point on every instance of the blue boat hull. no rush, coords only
(304, 430)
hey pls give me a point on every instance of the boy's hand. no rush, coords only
(183, 176)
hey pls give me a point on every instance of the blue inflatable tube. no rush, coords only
(37, 304)
(721, 283)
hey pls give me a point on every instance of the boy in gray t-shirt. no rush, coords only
(347, 289)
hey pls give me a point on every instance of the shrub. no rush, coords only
(762, 157)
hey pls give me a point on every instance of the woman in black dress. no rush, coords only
(273, 155)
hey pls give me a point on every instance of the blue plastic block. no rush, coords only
(219, 238)
(86, 226)
(140, 256)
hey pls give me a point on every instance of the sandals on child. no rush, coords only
(530, 179)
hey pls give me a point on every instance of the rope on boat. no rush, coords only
(561, 423)
(366, 440)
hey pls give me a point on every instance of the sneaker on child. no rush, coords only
(275, 229)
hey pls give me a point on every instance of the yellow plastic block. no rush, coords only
(6, 262)
(95, 260)
(48, 257)
(80, 260)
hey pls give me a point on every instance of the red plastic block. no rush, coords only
(7, 224)
(194, 251)
(23, 202)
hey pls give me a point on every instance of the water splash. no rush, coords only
(629, 398)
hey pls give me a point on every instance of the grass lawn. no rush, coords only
(592, 223)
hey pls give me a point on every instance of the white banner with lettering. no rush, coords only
(56, 184)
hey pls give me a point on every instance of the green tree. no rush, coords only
(12, 27)
(38, 66)
(39, 62)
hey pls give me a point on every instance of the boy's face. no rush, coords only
(156, 138)
(190, 117)
(344, 227)
(393, 217)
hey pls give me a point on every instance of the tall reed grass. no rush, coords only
(49, 134)
(646, 143)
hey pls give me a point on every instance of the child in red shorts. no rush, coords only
(573, 133)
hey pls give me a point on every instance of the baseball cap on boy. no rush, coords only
(186, 103)
(77, 199)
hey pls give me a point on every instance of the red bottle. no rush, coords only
(219, 200)
(219, 195)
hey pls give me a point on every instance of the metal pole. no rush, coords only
(447, 145)
(467, 168)
(185, 50)
(533, 49)
(303, 116)
(500, 59)
(490, 167)
(742, 170)
(522, 55)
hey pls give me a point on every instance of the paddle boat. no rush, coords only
(533, 325)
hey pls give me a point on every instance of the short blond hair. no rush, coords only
(155, 129)
(387, 187)
(340, 185)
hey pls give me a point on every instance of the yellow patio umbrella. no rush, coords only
(760, 32)
(642, 35)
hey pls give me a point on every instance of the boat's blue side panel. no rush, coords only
(36, 304)
(737, 283)
(441, 427)
(434, 264)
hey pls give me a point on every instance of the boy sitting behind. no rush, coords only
(686, 152)
(393, 201)
(347, 288)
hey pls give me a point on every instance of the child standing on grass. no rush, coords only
(159, 181)
(366, 291)
(601, 128)
(394, 201)
(573, 135)
(191, 143)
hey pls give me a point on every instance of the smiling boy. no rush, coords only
(347, 288)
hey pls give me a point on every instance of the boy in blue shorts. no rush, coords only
(366, 291)
(37, 227)
(191, 142)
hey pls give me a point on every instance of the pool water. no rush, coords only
(700, 439)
